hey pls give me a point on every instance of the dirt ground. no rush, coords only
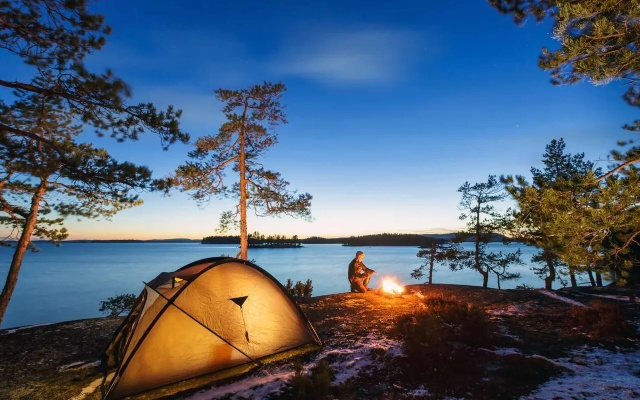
(58, 361)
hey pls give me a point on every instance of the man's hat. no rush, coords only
(358, 253)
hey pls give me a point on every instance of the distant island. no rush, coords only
(258, 241)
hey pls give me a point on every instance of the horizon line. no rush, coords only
(426, 232)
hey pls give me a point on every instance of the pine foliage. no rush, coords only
(579, 221)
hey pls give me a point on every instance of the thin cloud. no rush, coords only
(201, 111)
(175, 55)
(353, 57)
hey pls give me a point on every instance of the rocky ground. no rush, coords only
(538, 347)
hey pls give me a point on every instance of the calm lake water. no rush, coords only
(68, 282)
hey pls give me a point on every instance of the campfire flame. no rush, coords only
(391, 287)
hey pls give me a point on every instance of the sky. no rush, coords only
(391, 106)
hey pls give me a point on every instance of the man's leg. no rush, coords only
(358, 286)
(366, 279)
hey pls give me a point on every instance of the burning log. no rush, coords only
(390, 288)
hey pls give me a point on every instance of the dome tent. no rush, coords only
(211, 315)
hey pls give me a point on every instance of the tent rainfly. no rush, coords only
(207, 316)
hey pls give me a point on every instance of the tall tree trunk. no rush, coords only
(598, 279)
(21, 249)
(572, 275)
(551, 276)
(433, 255)
(590, 273)
(485, 279)
(485, 274)
(244, 242)
(498, 277)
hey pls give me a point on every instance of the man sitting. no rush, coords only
(359, 274)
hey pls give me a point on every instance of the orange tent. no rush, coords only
(208, 316)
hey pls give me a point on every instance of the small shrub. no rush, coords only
(316, 385)
(289, 287)
(308, 289)
(603, 320)
(299, 290)
(118, 304)
(524, 287)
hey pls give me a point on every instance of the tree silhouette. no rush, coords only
(483, 220)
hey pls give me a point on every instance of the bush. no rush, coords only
(316, 385)
(603, 320)
(524, 287)
(307, 289)
(118, 304)
(299, 290)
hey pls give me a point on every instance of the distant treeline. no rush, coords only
(321, 240)
(259, 240)
(397, 239)
(390, 239)
(383, 239)
(221, 240)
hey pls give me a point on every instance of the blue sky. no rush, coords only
(391, 106)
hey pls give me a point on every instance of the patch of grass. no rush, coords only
(602, 320)
(524, 287)
(347, 390)
(441, 338)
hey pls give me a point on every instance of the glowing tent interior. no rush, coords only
(208, 316)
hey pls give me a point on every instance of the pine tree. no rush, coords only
(483, 220)
(547, 205)
(252, 115)
(46, 175)
(437, 252)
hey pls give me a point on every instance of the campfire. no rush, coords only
(390, 287)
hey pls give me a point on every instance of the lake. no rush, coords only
(68, 282)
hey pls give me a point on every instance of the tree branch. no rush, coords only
(33, 136)
(628, 242)
(616, 169)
